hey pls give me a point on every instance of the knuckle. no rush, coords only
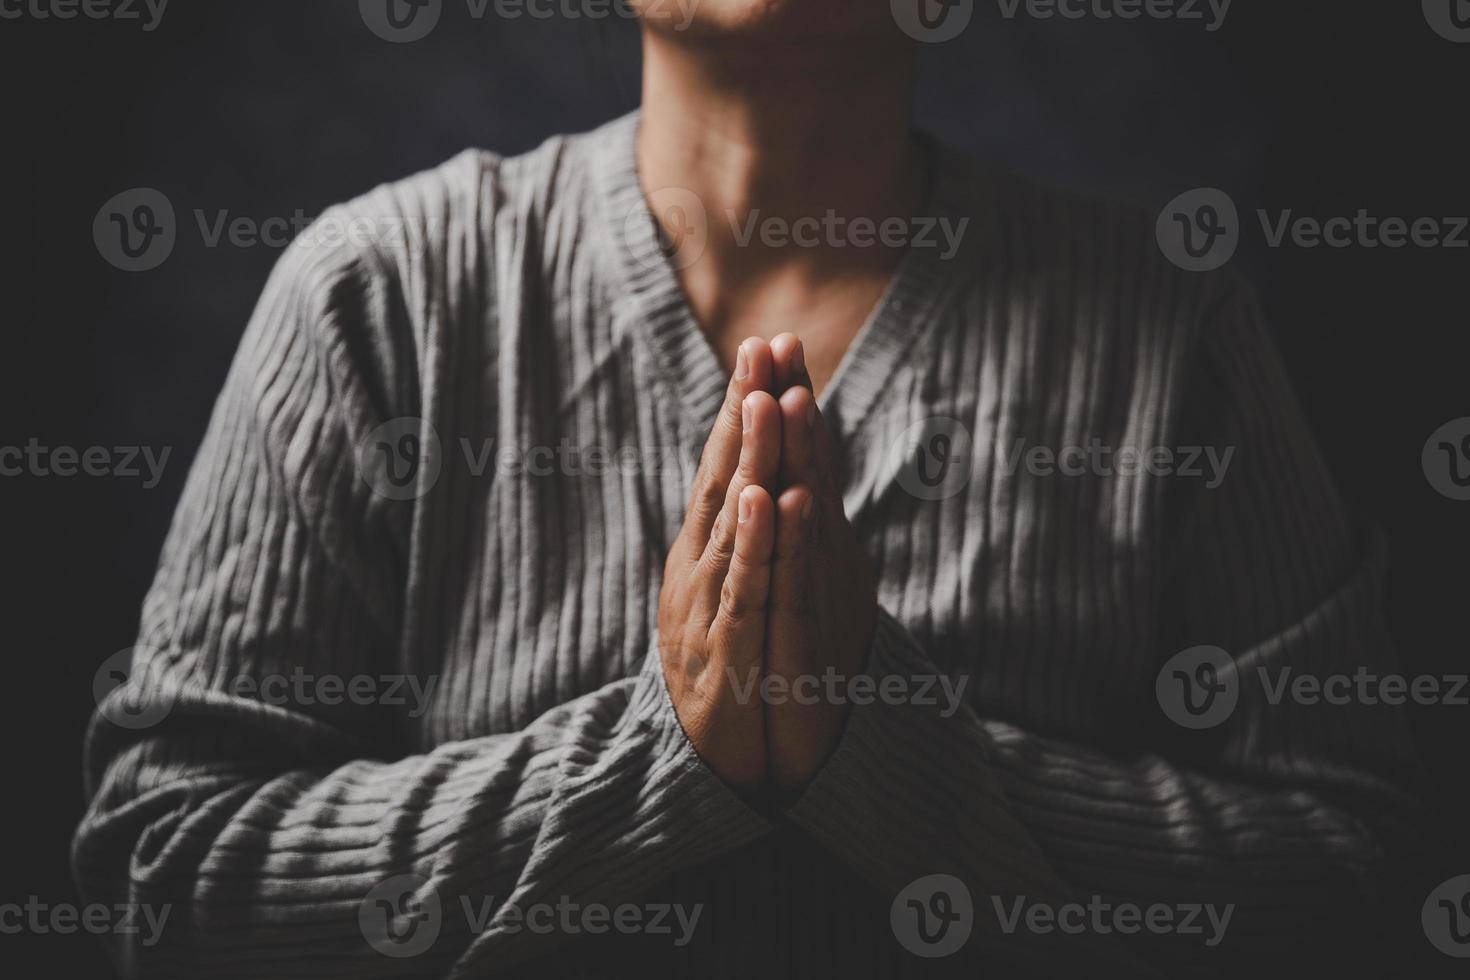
(709, 495)
(726, 432)
(730, 412)
(712, 492)
(681, 655)
(742, 569)
(733, 603)
(721, 540)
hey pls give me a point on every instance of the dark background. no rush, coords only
(265, 107)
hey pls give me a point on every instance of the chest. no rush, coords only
(826, 318)
(1010, 563)
(1007, 583)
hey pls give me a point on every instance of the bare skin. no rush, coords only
(712, 608)
(778, 120)
(782, 111)
(823, 606)
(766, 577)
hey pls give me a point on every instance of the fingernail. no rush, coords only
(798, 359)
(806, 510)
(744, 508)
(742, 364)
(811, 414)
(745, 416)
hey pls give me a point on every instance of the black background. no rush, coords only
(265, 107)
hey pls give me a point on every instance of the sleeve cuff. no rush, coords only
(682, 774)
(909, 792)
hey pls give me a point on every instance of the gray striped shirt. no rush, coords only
(448, 462)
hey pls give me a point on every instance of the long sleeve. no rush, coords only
(1303, 817)
(263, 823)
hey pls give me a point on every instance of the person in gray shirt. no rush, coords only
(752, 537)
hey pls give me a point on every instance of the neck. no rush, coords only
(778, 132)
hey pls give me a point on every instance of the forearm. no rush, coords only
(268, 855)
(1305, 845)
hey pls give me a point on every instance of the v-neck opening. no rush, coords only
(655, 299)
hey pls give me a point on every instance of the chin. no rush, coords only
(768, 21)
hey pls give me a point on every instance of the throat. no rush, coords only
(827, 316)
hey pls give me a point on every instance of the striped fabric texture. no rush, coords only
(510, 322)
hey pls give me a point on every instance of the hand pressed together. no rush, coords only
(767, 587)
